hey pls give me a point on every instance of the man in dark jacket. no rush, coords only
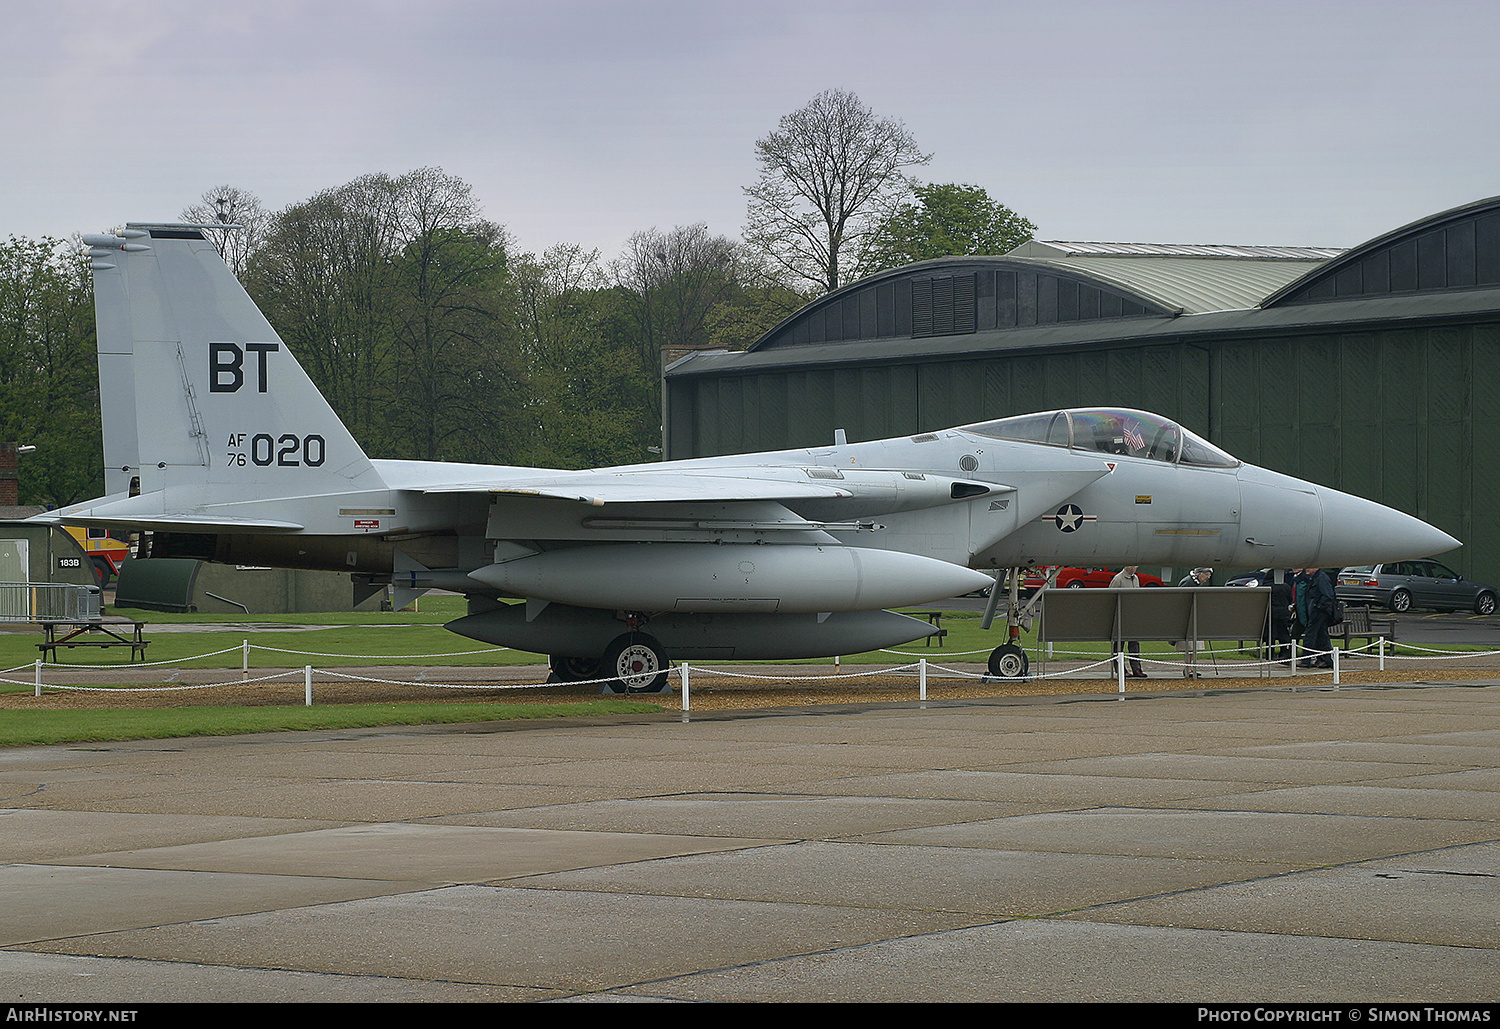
(1315, 600)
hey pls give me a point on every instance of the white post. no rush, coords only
(1335, 652)
(244, 660)
(1120, 670)
(686, 702)
(1380, 644)
(307, 685)
(38, 677)
(922, 679)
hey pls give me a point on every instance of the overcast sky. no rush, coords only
(1311, 122)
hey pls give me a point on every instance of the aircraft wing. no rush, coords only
(647, 486)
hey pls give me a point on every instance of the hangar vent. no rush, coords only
(1454, 250)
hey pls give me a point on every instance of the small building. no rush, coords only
(33, 553)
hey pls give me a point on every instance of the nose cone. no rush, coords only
(1358, 531)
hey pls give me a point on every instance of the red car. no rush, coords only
(1078, 578)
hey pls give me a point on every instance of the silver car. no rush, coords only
(1403, 585)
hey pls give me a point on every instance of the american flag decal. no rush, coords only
(1133, 436)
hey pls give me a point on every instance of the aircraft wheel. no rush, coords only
(1009, 662)
(638, 663)
(573, 669)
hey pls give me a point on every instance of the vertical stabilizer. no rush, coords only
(197, 390)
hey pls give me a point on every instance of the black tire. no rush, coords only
(1401, 602)
(1076, 584)
(1484, 604)
(573, 669)
(637, 662)
(102, 572)
(1009, 661)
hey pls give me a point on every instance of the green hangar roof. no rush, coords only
(1044, 284)
(1046, 295)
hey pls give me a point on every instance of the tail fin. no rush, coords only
(196, 388)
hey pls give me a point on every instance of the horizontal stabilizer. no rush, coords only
(125, 512)
(188, 523)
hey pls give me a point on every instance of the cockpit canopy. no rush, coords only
(1106, 430)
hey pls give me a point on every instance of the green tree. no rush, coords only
(49, 384)
(943, 220)
(452, 377)
(825, 171)
(589, 400)
(394, 293)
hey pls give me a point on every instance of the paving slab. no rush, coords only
(993, 883)
(445, 853)
(543, 939)
(1439, 899)
(1291, 839)
(128, 981)
(48, 903)
(1038, 790)
(40, 835)
(1356, 799)
(784, 816)
(1037, 960)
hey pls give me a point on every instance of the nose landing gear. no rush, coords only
(1009, 661)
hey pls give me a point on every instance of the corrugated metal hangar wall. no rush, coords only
(1376, 370)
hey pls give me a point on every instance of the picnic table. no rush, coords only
(104, 631)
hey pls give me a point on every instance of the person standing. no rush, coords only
(1126, 577)
(1283, 616)
(1315, 601)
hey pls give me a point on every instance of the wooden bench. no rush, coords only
(101, 632)
(1358, 624)
(934, 618)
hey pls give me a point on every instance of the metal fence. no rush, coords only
(31, 602)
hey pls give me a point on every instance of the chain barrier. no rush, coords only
(923, 668)
(375, 657)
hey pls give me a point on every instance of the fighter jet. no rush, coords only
(219, 446)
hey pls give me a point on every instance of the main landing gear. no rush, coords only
(634, 662)
(637, 662)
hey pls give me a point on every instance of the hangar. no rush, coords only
(1375, 370)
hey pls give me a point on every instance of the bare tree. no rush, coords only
(674, 281)
(825, 171)
(231, 206)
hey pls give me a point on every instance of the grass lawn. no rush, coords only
(399, 638)
(406, 637)
(34, 728)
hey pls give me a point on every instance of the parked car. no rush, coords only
(1078, 578)
(1403, 585)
